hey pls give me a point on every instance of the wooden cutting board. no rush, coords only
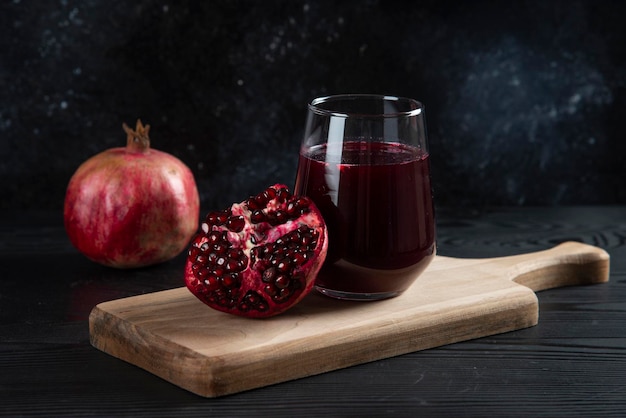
(173, 335)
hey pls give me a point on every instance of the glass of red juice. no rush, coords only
(364, 161)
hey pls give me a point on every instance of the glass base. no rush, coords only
(339, 294)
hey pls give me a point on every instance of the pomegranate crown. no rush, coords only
(137, 140)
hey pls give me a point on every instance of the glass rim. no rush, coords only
(314, 106)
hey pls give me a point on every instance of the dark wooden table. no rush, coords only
(572, 364)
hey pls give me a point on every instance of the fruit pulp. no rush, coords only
(376, 199)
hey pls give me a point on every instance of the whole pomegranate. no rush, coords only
(259, 257)
(133, 206)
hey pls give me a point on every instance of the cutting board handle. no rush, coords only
(567, 264)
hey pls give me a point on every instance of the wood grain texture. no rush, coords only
(173, 335)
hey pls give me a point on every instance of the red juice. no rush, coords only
(377, 202)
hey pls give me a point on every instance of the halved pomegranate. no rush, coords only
(259, 257)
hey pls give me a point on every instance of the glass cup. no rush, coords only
(364, 162)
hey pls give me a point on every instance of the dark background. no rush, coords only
(525, 99)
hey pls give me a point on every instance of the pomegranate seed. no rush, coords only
(305, 240)
(252, 203)
(282, 195)
(235, 223)
(217, 218)
(211, 218)
(281, 252)
(268, 275)
(283, 266)
(270, 290)
(261, 200)
(257, 217)
(199, 273)
(220, 248)
(269, 194)
(292, 209)
(298, 259)
(222, 217)
(281, 217)
(232, 265)
(229, 280)
(303, 202)
(214, 237)
(282, 295)
(252, 297)
(282, 282)
(211, 282)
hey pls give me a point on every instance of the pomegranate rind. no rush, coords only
(268, 265)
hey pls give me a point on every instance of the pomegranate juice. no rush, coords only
(377, 202)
